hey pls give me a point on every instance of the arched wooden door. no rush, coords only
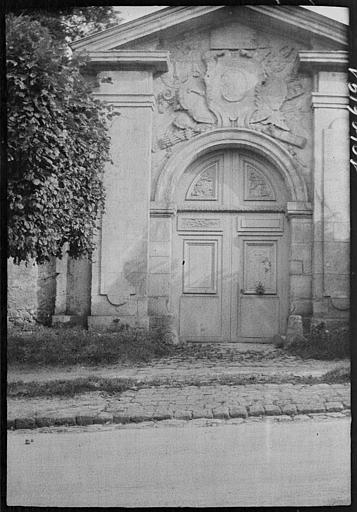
(230, 250)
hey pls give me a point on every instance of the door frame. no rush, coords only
(298, 209)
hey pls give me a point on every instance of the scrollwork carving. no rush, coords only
(253, 86)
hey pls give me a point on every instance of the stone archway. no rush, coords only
(165, 220)
(225, 138)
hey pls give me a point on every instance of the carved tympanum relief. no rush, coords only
(257, 186)
(232, 81)
(204, 186)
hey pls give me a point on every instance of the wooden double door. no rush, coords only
(230, 251)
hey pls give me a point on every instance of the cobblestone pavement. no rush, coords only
(240, 359)
(181, 403)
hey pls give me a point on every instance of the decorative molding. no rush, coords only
(127, 100)
(142, 27)
(311, 22)
(298, 209)
(318, 60)
(198, 224)
(162, 211)
(157, 60)
(269, 223)
(228, 209)
(149, 25)
(336, 101)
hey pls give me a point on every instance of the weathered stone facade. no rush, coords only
(227, 197)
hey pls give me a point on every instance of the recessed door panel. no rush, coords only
(200, 266)
(259, 317)
(259, 267)
(201, 319)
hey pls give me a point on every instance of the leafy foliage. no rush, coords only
(322, 343)
(71, 23)
(57, 147)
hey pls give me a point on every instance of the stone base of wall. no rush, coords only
(69, 321)
(166, 323)
(115, 323)
(31, 293)
(331, 323)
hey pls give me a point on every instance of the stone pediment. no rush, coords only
(292, 20)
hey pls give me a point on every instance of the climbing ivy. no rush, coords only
(58, 144)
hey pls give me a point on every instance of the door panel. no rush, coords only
(200, 266)
(259, 267)
(201, 319)
(259, 317)
(200, 299)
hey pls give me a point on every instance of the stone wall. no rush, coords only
(22, 293)
(31, 293)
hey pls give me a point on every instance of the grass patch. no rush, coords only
(69, 346)
(338, 375)
(80, 385)
(322, 343)
(67, 388)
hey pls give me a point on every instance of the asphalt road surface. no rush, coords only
(298, 463)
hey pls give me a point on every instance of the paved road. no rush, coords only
(255, 463)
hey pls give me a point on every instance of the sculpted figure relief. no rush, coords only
(204, 186)
(257, 185)
(254, 86)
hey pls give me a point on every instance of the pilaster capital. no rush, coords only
(324, 100)
(162, 209)
(315, 61)
(298, 209)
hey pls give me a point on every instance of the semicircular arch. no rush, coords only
(230, 138)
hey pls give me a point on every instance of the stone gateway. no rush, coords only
(227, 199)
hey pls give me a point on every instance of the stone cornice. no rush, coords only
(321, 100)
(311, 22)
(156, 60)
(323, 60)
(297, 17)
(127, 100)
(142, 27)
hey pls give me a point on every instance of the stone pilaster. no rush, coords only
(300, 258)
(331, 190)
(120, 265)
